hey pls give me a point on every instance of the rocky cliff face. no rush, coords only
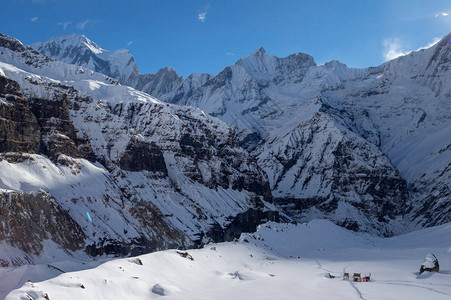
(406, 112)
(58, 134)
(30, 219)
(131, 173)
(19, 130)
(318, 162)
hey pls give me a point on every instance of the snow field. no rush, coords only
(279, 261)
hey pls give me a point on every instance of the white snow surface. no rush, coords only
(279, 261)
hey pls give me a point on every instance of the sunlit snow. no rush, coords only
(279, 261)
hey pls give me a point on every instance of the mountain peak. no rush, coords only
(79, 50)
(258, 54)
(72, 40)
(10, 42)
(259, 51)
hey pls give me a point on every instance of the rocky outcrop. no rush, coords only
(19, 129)
(141, 155)
(38, 125)
(163, 82)
(58, 134)
(246, 222)
(29, 219)
(430, 264)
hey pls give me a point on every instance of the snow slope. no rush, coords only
(279, 261)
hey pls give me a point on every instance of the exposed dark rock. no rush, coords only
(141, 155)
(133, 247)
(19, 129)
(58, 134)
(158, 290)
(30, 218)
(431, 211)
(185, 254)
(389, 193)
(30, 56)
(243, 222)
(251, 141)
(164, 81)
(194, 147)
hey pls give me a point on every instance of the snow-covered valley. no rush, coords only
(279, 261)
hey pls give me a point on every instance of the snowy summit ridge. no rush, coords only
(79, 50)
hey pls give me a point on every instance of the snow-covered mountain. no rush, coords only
(336, 139)
(88, 164)
(79, 50)
(121, 65)
(367, 148)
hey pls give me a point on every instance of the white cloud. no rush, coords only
(442, 14)
(64, 24)
(394, 49)
(34, 19)
(82, 25)
(202, 15)
(129, 43)
(230, 54)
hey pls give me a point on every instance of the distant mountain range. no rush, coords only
(92, 161)
(309, 126)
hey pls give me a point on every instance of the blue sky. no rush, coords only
(205, 36)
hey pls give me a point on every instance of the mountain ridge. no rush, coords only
(132, 173)
(272, 102)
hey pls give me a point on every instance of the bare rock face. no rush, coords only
(19, 129)
(141, 155)
(29, 219)
(188, 141)
(38, 125)
(58, 134)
